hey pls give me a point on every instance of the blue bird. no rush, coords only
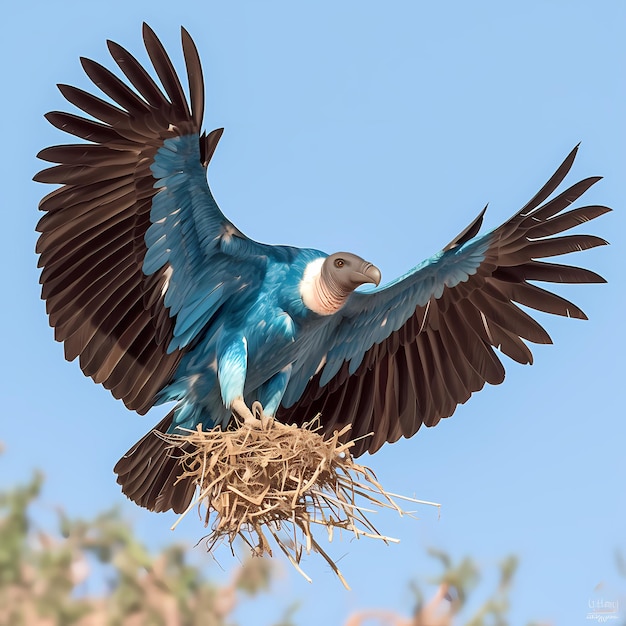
(164, 300)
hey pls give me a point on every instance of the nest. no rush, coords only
(264, 480)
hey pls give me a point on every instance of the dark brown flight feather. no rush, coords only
(100, 303)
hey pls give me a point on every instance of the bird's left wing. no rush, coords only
(136, 254)
(410, 352)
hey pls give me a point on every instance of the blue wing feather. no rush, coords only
(190, 235)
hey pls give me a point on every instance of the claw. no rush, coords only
(254, 417)
(241, 410)
(257, 410)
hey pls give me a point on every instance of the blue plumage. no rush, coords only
(165, 301)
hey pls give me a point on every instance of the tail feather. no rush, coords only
(149, 472)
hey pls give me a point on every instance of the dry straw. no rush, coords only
(263, 479)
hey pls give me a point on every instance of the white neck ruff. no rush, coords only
(315, 293)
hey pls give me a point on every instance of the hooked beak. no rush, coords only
(369, 274)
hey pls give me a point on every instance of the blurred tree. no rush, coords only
(40, 574)
(454, 588)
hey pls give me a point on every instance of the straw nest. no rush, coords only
(263, 480)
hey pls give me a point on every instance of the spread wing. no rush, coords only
(136, 255)
(408, 353)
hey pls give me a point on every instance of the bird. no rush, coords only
(164, 300)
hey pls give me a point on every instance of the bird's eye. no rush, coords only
(339, 262)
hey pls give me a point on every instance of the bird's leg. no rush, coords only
(273, 390)
(232, 368)
(270, 394)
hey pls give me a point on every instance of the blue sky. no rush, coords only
(380, 128)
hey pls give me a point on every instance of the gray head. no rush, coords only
(343, 272)
(328, 281)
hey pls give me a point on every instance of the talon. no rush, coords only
(266, 420)
(241, 410)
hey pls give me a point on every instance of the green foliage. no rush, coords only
(457, 582)
(494, 610)
(40, 574)
(14, 529)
